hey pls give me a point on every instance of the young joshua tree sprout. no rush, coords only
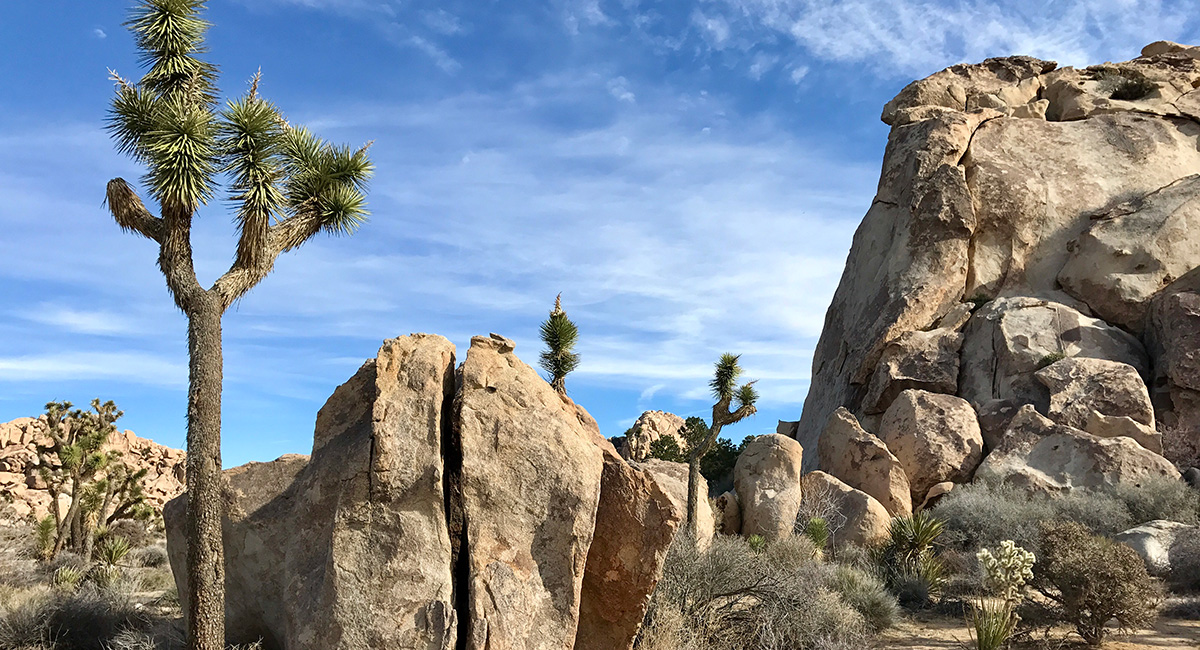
(559, 334)
(286, 186)
(734, 404)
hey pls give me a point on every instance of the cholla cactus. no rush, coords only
(1006, 572)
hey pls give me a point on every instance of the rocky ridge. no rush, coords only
(23, 495)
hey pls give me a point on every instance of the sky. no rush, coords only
(688, 174)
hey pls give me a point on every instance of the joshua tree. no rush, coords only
(559, 335)
(728, 393)
(100, 488)
(286, 186)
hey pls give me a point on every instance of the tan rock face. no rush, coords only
(1038, 454)
(866, 520)
(530, 488)
(767, 479)
(1080, 387)
(1174, 335)
(935, 437)
(673, 479)
(729, 514)
(635, 523)
(651, 426)
(1009, 339)
(922, 360)
(863, 462)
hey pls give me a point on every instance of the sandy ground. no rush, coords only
(937, 632)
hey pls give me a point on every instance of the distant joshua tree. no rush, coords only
(287, 186)
(559, 334)
(728, 393)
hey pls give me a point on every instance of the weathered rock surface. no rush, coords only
(767, 479)
(935, 437)
(1064, 199)
(651, 426)
(1038, 454)
(1152, 541)
(635, 523)
(1010, 339)
(673, 478)
(866, 520)
(922, 360)
(26, 495)
(1080, 387)
(482, 510)
(863, 462)
(728, 513)
(1174, 341)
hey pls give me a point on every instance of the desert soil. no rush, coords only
(938, 632)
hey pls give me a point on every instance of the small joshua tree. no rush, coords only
(728, 394)
(101, 488)
(286, 186)
(559, 334)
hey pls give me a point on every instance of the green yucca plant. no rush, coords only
(908, 558)
(113, 550)
(991, 623)
(286, 185)
(559, 334)
(817, 531)
(66, 578)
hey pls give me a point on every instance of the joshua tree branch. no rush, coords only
(129, 211)
(175, 257)
(248, 271)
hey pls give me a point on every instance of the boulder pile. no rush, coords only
(24, 495)
(1022, 300)
(442, 507)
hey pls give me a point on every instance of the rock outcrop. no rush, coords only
(479, 509)
(767, 479)
(1027, 216)
(673, 479)
(651, 426)
(866, 520)
(26, 496)
(1152, 541)
(863, 462)
(935, 437)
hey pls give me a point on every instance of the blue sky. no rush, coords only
(689, 175)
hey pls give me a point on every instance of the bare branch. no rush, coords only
(129, 211)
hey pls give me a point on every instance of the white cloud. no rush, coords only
(442, 22)
(135, 367)
(919, 36)
(798, 73)
(714, 28)
(619, 88)
(99, 33)
(762, 64)
(80, 321)
(439, 56)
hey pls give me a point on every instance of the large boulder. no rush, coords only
(1104, 398)
(1152, 541)
(863, 462)
(635, 523)
(530, 488)
(863, 520)
(477, 509)
(921, 360)
(1040, 455)
(935, 437)
(673, 478)
(315, 551)
(1010, 339)
(651, 426)
(1174, 341)
(767, 479)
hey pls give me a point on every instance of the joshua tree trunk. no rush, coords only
(697, 486)
(206, 557)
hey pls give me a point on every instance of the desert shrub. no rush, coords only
(1184, 556)
(732, 597)
(1125, 84)
(1158, 497)
(983, 515)
(817, 530)
(87, 619)
(134, 531)
(1094, 580)
(112, 550)
(1187, 609)
(908, 561)
(67, 578)
(992, 622)
(149, 556)
(867, 595)
(820, 502)
(1049, 359)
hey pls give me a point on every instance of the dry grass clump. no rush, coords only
(782, 597)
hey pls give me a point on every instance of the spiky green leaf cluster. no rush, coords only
(725, 376)
(168, 121)
(559, 334)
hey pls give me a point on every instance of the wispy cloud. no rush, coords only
(134, 367)
(80, 321)
(99, 33)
